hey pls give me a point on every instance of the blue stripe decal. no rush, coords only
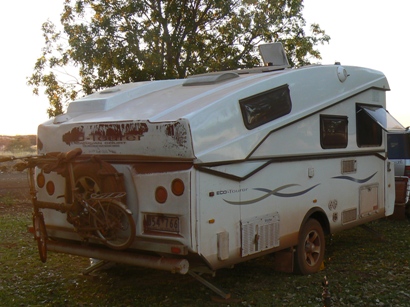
(271, 192)
(354, 179)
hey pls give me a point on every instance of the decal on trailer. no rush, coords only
(118, 132)
(272, 192)
(165, 139)
(276, 192)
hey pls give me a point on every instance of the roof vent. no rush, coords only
(110, 90)
(211, 78)
(62, 118)
(274, 55)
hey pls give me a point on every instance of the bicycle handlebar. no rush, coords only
(70, 155)
(51, 161)
(61, 159)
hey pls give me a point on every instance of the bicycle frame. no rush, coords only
(97, 216)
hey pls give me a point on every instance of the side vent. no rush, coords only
(349, 166)
(259, 233)
(349, 216)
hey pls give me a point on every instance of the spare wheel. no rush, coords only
(97, 177)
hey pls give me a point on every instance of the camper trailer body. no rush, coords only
(254, 155)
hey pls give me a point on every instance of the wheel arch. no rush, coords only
(318, 214)
(304, 260)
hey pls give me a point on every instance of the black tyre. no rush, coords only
(114, 224)
(311, 248)
(40, 235)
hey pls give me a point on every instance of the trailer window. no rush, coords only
(398, 145)
(369, 132)
(333, 131)
(265, 107)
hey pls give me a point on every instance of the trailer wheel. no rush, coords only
(311, 248)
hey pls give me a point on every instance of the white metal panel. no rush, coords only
(118, 95)
(219, 134)
(215, 215)
(167, 139)
(212, 111)
(303, 137)
(175, 206)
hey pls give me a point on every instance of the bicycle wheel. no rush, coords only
(114, 223)
(40, 235)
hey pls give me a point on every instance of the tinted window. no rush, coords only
(368, 131)
(333, 131)
(383, 118)
(265, 107)
(398, 146)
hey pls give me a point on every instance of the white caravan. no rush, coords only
(225, 167)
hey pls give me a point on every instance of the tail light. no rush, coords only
(41, 180)
(177, 187)
(50, 187)
(161, 195)
(176, 250)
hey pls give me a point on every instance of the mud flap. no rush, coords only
(284, 260)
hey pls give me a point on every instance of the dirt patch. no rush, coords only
(13, 181)
(14, 192)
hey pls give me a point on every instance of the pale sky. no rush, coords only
(368, 33)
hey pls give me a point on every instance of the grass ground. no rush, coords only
(362, 270)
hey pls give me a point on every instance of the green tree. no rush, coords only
(108, 42)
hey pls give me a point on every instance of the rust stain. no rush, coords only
(177, 131)
(106, 132)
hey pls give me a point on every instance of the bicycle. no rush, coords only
(94, 215)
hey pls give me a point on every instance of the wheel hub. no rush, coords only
(310, 247)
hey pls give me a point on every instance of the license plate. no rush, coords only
(161, 223)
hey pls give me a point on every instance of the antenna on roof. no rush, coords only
(273, 54)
